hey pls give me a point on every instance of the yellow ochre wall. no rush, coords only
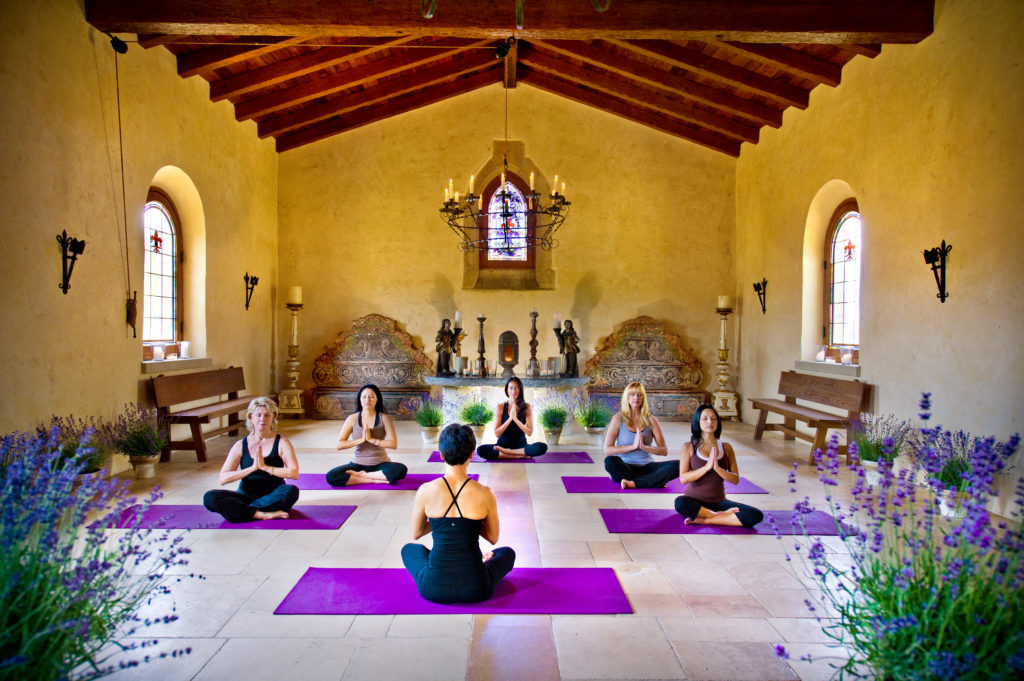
(928, 138)
(650, 230)
(59, 169)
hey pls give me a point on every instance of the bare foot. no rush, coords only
(687, 521)
(628, 484)
(269, 515)
(727, 511)
(487, 556)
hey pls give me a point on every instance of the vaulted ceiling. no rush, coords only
(710, 71)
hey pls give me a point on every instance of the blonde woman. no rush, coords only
(634, 438)
(262, 493)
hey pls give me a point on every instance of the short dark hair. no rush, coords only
(456, 443)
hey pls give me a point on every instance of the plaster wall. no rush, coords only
(650, 231)
(927, 138)
(59, 169)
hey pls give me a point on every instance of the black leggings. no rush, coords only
(338, 477)
(688, 507)
(438, 585)
(237, 507)
(531, 450)
(655, 474)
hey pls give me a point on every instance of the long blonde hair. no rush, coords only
(624, 410)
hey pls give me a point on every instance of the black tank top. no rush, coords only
(513, 436)
(456, 540)
(260, 483)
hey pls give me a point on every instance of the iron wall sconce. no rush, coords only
(250, 284)
(70, 248)
(761, 288)
(936, 257)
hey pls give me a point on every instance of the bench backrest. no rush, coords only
(850, 396)
(181, 388)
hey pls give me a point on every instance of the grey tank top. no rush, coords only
(637, 457)
(367, 454)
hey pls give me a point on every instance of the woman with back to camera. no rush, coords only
(370, 431)
(634, 438)
(514, 424)
(457, 511)
(705, 464)
(262, 492)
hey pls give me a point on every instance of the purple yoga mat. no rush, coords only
(391, 591)
(589, 484)
(182, 516)
(318, 481)
(662, 521)
(550, 457)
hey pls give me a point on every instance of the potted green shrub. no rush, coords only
(594, 417)
(140, 433)
(429, 416)
(476, 413)
(878, 438)
(552, 419)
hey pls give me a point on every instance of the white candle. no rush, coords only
(847, 358)
(531, 182)
(295, 295)
(446, 194)
(451, 187)
(471, 178)
(820, 357)
(480, 203)
(456, 197)
(554, 185)
(533, 311)
(725, 302)
(458, 318)
(184, 350)
(558, 320)
(158, 352)
(563, 189)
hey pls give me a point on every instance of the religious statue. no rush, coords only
(445, 344)
(568, 345)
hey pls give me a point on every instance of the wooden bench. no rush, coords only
(850, 396)
(181, 388)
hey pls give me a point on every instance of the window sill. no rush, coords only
(830, 368)
(159, 366)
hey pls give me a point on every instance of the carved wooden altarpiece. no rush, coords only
(642, 349)
(374, 351)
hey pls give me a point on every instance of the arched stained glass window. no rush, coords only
(506, 225)
(161, 284)
(842, 279)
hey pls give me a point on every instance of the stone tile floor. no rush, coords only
(706, 607)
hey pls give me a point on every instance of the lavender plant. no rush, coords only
(70, 584)
(138, 431)
(922, 598)
(880, 436)
(80, 438)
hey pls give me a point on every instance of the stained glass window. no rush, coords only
(506, 225)
(844, 292)
(160, 283)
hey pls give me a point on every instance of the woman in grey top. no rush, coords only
(369, 430)
(633, 440)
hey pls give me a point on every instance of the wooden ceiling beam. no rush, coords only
(148, 40)
(437, 75)
(511, 60)
(791, 61)
(230, 52)
(356, 119)
(871, 51)
(645, 117)
(721, 70)
(780, 21)
(641, 98)
(288, 69)
(356, 75)
(663, 80)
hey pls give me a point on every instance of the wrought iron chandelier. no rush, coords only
(515, 221)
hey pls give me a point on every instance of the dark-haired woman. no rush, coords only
(370, 431)
(260, 463)
(514, 424)
(457, 511)
(705, 464)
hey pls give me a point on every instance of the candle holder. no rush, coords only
(481, 363)
(508, 351)
(936, 257)
(290, 399)
(70, 248)
(533, 366)
(724, 400)
(250, 286)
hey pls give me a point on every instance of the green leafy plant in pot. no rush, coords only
(552, 419)
(429, 416)
(140, 433)
(594, 417)
(476, 412)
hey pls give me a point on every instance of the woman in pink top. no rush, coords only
(704, 465)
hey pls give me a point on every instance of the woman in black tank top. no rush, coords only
(260, 463)
(514, 424)
(456, 571)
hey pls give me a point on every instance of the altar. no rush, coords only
(457, 390)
